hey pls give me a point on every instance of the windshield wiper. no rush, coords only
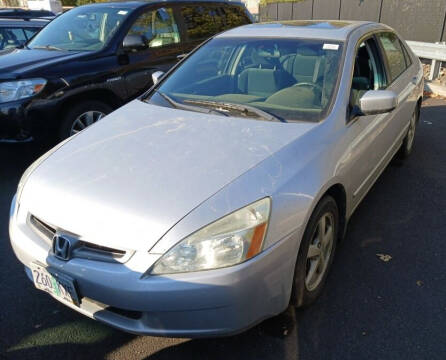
(242, 108)
(178, 105)
(48, 47)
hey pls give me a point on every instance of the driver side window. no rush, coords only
(368, 73)
(158, 27)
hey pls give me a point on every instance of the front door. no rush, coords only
(161, 34)
(368, 134)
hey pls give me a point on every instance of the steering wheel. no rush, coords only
(308, 84)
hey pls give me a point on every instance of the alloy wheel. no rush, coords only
(319, 251)
(411, 132)
(84, 120)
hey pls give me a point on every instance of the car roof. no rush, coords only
(22, 23)
(138, 4)
(336, 30)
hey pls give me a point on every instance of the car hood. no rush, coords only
(14, 62)
(128, 179)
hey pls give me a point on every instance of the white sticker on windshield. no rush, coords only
(331, 47)
(122, 12)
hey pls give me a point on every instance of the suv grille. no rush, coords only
(83, 249)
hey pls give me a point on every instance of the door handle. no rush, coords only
(181, 56)
(415, 80)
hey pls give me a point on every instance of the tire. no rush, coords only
(407, 146)
(81, 116)
(305, 292)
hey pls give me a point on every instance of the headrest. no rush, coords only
(307, 51)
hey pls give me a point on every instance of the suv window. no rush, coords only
(158, 27)
(235, 16)
(368, 73)
(11, 37)
(202, 21)
(394, 54)
(206, 20)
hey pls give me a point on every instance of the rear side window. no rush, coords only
(394, 54)
(406, 55)
(235, 16)
(206, 20)
(202, 21)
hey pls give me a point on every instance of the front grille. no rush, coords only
(45, 231)
(82, 249)
(103, 249)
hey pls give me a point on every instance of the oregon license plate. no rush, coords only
(58, 285)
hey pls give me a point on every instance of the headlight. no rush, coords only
(231, 240)
(21, 89)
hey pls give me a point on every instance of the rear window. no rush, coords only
(206, 20)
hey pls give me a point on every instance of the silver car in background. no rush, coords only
(218, 198)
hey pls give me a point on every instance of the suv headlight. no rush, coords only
(230, 240)
(20, 89)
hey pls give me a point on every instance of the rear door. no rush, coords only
(159, 26)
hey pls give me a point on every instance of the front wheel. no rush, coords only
(316, 253)
(407, 146)
(81, 116)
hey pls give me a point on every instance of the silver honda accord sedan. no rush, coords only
(218, 198)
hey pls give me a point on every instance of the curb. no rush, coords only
(436, 89)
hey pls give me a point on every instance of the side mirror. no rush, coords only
(156, 77)
(378, 102)
(134, 42)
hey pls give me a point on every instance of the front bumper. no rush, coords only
(21, 119)
(207, 303)
(13, 120)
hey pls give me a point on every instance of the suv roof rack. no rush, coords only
(13, 13)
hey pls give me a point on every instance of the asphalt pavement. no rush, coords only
(370, 309)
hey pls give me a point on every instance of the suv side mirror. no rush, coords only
(156, 77)
(134, 42)
(378, 102)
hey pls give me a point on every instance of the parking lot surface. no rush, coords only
(370, 309)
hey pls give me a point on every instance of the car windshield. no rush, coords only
(86, 28)
(272, 79)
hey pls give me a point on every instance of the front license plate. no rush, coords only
(58, 285)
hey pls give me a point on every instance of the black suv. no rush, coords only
(94, 58)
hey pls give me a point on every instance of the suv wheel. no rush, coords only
(81, 116)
